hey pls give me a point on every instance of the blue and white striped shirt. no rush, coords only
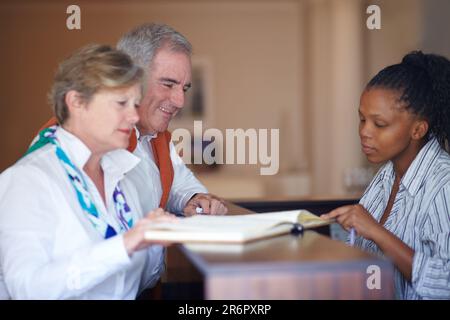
(420, 217)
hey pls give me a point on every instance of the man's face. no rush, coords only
(168, 80)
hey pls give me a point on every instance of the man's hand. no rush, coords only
(209, 203)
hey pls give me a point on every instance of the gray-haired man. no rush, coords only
(162, 178)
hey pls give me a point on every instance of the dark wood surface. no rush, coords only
(306, 266)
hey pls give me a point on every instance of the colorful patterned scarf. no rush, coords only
(75, 176)
(161, 152)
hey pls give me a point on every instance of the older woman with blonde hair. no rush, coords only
(70, 226)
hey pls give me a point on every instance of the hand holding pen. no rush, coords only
(352, 237)
(356, 220)
(205, 203)
(199, 210)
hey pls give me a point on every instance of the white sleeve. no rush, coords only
(154, 267)
(185, 185)
(28, 220)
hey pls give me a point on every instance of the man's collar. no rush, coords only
(148, 137)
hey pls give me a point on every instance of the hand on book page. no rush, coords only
(232, 228)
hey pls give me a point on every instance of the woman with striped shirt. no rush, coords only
(404, 214)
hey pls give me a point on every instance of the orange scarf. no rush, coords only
(161, 153)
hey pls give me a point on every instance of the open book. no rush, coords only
(233, 228)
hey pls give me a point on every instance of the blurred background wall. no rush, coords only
(294, 65)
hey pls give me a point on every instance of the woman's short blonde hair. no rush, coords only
(88, 70)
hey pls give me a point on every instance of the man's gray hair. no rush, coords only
(143, 42)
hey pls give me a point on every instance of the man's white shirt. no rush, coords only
(146, 178)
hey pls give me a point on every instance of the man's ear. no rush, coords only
(420, 129)
(74, 101)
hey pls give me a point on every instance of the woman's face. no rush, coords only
(386, 128)
(109, 117)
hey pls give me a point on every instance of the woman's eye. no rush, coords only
(380, 125)
(122, 103)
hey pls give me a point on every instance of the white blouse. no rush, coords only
(48, 247)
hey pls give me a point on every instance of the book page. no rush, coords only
(232, 228)
(202, 228)
(304, 217)
(309, 220)
(240, 223)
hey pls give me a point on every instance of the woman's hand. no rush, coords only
(134, 239)
(357, 217)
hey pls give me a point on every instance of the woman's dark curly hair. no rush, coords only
(423, 82)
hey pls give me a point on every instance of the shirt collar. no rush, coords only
(417, 171)
(76, 150)
(147, 137)
(421, 165)
(387, 176)
(118, 161)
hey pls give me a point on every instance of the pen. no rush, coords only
(199, 210)
(297, 229)
(352, 236)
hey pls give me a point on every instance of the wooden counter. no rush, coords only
(307, 266)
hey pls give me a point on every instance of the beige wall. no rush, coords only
(401, 32)
(254, 49)
(335, 56)
(297, 65)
